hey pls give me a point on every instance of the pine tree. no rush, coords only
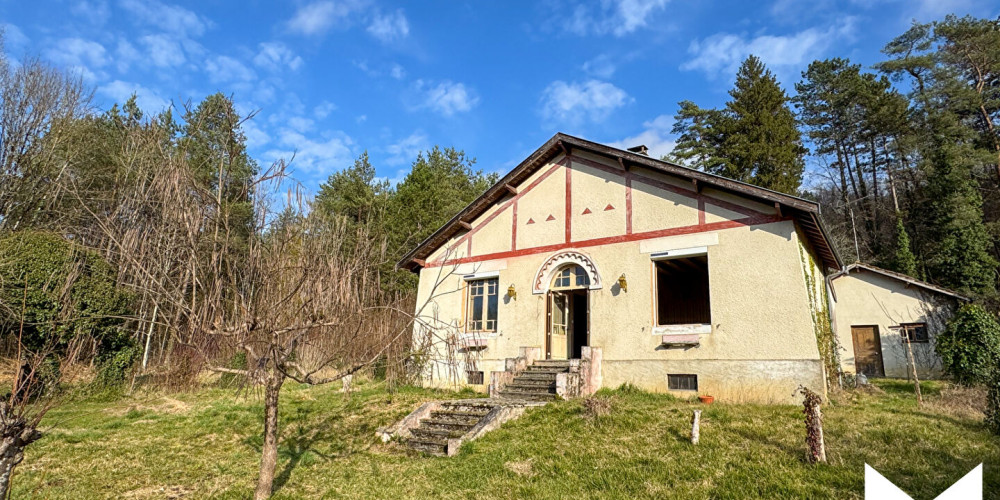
(753, 139)
(760, 139)
(959, 256)
(903, 260)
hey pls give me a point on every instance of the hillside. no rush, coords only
(206, 445)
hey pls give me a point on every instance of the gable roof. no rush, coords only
(805, 212)
(898, 277)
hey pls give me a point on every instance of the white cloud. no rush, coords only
(125, 55)
(390, 26)
(148, 100)
(318, 17)
(226, 69)
(95, 11)
(601, 66)
(164, 51)
(315, 157)
(300, 124)
(256, 136)
(78, 54)
(722, 53)
(446, 97)
(655, 135)
(275, 56)
(397, 72)
(324, 109)
(13, 37)
(171, 18)
(592, 99)
(406, 149)
(619, 17)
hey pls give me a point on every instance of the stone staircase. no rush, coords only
(537, 382)
(440, 427)
(452, 420)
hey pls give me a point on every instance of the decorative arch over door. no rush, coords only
(543, 278)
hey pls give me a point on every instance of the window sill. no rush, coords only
(693, 329)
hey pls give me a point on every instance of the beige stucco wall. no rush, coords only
(762, 343)
(865, 298)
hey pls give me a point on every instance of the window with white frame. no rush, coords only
(483, 302)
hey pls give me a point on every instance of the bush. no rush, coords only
(113, 367)
(993, 406)
(237, 362)
(970, 345)
(70, 291)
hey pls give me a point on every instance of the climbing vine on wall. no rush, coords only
(826, 341)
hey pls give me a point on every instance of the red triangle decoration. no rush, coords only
(550, 217)
(609, 207)
(585, 211)
(531, 221)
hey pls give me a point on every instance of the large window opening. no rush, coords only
(483, 301)
(682, 296)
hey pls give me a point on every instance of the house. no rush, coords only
(635, 269)
(880, 316)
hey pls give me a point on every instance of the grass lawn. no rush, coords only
(206, 444)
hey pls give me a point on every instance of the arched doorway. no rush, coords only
(568, 328)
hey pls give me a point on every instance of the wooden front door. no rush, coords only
(867, 351)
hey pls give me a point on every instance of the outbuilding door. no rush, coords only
(867, 351)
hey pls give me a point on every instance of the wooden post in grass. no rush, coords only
(695, 423)
(814, 425)
(913, 368)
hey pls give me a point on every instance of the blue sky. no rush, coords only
(332, 78)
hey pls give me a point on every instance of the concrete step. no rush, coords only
(528, 396)
(433, 447)
(457, 416)
(531, 385)
(478, 407)
(551, 362)
(550, 377)
(447, 425)
(432, 434)
(546, 369)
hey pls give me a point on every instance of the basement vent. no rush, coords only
(682, 382)
(475, 378)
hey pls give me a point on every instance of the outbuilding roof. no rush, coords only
(858, 266)
(805, 212)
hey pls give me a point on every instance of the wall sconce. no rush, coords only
(622, 283)
(511, 292)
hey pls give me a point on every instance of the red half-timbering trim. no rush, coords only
(468, 248)
(609, 240)
(530, 221)
(674, 189)
(609, 207)
(503, 207)
(628, 202)
(701, 212)
(585, 211)
(550, 217)
(569, 201)
(513, 226)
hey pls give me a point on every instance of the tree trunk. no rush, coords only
(269, 452)
(16, 436)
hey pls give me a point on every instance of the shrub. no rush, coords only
(970, 345)
(993, 405)
(70, 291)
(113, 367)
(237, 362)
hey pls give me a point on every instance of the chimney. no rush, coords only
(641, 149)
